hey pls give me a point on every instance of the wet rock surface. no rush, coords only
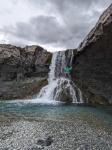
(92, 65)
(28, 88)
(19, 65)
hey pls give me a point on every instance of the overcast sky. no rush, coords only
(53, 24)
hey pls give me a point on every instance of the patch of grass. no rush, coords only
(66, 52)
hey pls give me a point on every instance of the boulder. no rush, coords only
(45, 140)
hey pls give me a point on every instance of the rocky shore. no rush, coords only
(23, 134)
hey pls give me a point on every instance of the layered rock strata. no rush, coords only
(20, 66)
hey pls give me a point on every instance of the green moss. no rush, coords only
(99, 99)
(66, 52)
(96, 99)
(24, 90)
(34, 88)
(65, 97)
(42, 83)
(48, 61)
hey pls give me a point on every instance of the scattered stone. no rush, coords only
(45, 140)
(69, 135)
(36, 148)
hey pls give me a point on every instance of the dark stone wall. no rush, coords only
(17, 63)
(92, 69)
(23, 72)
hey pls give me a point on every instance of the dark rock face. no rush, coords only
(18, 65)
(21, 90)
(64, 97)
(92, 65)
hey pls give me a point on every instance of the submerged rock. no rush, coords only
(92, 65)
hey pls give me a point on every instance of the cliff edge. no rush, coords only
(23, 71)
(92, 65)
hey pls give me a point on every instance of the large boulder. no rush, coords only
(92, 65)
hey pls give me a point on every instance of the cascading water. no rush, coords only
(47, 91)
(59, 85)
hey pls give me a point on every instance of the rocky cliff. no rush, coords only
(19, 67)
(92, 65)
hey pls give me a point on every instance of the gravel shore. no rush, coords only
(23, 134)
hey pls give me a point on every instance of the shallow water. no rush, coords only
(92, 115)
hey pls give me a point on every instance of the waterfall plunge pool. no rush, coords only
(95, 116)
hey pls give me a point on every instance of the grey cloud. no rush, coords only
(73, 14)
(14, 2)
(42, 28)
(5, 11)
(76, 3)
(47, 30)
(68, 24)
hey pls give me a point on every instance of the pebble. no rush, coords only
(45, 140)
(63, 135)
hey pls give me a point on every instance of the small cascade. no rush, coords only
(47, 91)
(60, 86)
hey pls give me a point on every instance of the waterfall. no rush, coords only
(60, 86)
(47, 91)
